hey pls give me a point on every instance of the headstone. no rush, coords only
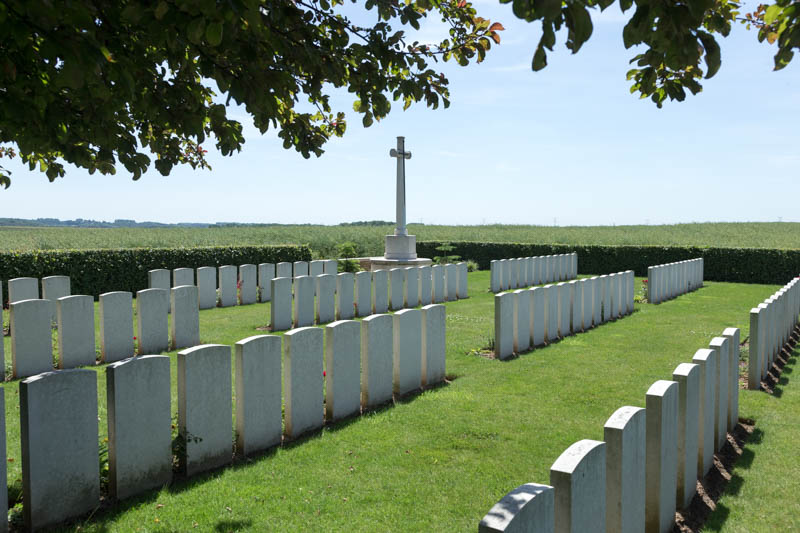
(579, 479)
(380, 291)
(330, 266)
(302, 381)
(342, 369)
(551, 305)
(300, 268)
(576, 295)
(345, 309)
(597, 298)
(53, 288)
(755, 362)
(451, 281)
(538, 315)
(411, 283)
(463, 291)
(531, 272)
(377, 349)
(303, 302)
(204, 407)
(494, 279)
(587, 291)
(720, 346)
(207, 287)
(316, 268)
(248, 287)
(182, 276)
(624, 434)
(564, 309)
(631, 290)
(662, 456)
(613, 285)
(503, 325)
(688, 377)
(396, 288)
(116, 326)
(280, 308)
(425, 285)
(58, 437)
(31, 338)
(76, 346)
(407, 352)
(524, 281)
(522, 320)
(508, 280)
(514, 274)
(258, 393)
(185, 323)
(538, 274)
(152, 324)
(158, 279)
(20, 289)
(607, 290)
(437, 274)
(527, 509)
(706, 414)
(363, 293)
(283, 270)
(139, 425)
(732, 334)
(326, 298)
(433, 344)
(266, 271)
(227, 285)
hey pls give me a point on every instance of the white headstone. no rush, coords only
(688, 377)
(551, 309)
(316, 268)
(182, 276)
(396, 288)
(411, 284)
(248, 287)
(538, 315)
(207, 287)
(662, 456)
(437, 273)
(463, 291)
(706, 414)
(330, 266)
(342, 369)
(345, 309)
(227, 285)
(283, 270)
(597, 298)
(504, 325)
(607, 289)
(613, 288)
(624, 434)
(76, 346)
(407, 358)
(300, 268)
(576, 296)
(527, 509)
(425, 285)
(20, 289)
(363, 293)
(326, 298)
(564, 309)
(303, 301)
(266, 271)
(579, 479)
(720, 346)
(451, 282)
(377, 349)
(732, 334)
(139, 425)
(204, 407)
(280, 307)
(58, 437)
(587, 291)
(433, 344)
(508, 279)
(152, 324)
(302, 381)
(116, 326)
(185, 325)
(31, 339)
(522, 320)
(380, 291)
(53, 288)
(158, 279)
(494, 276)
(258, 393)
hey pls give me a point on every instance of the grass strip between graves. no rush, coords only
(438, 461)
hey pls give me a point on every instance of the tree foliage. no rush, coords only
(103, 83)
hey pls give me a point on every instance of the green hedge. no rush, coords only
(741, 265)
(97, 271)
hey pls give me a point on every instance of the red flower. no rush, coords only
(323, 373)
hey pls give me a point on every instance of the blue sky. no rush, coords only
(568, 145)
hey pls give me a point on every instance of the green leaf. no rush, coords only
(214, 33)
(772, 14)
(713, 56)
(539, 58)
(196, 29)
(161, 10)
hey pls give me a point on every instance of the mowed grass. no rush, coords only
(439, 460)
(369, 240)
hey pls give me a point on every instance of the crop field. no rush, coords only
(368, 240)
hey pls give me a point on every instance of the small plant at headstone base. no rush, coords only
(103, 459)
(444, 258)
(472, 266)
(347, 251)
(642, 296)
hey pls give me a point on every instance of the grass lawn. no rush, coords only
(438, 461)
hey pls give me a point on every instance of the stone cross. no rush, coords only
(401, 156)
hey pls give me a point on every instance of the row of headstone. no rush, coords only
(53, 288)
(522, 272)
(667, 281)
(527, 318)
(319, 375)
(771, 324)
(307, 300)
(648, 465)
(31, 337)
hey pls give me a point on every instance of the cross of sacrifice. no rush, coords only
(401, 154)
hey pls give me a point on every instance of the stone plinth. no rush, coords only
(401, 247)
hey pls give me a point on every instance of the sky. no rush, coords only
(568, 145)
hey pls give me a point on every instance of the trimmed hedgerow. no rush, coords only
(740, 265)
(97, 271)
